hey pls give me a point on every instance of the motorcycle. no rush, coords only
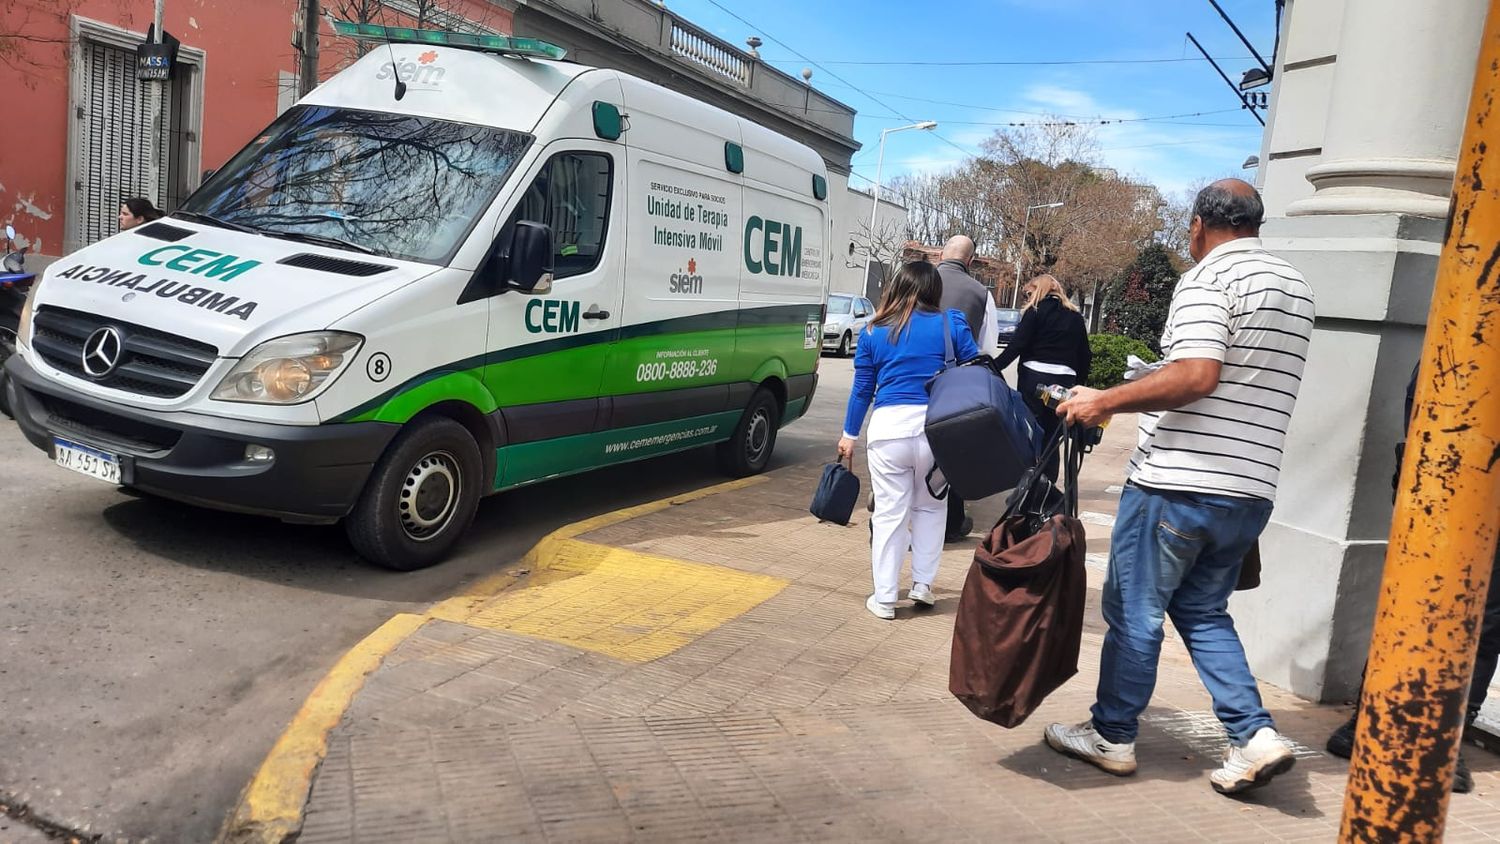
(15, 283)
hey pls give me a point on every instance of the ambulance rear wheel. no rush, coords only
(749, 449)
(420, 498)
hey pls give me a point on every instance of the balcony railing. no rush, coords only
(705, 51)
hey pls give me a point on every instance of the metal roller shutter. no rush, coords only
(123, 150)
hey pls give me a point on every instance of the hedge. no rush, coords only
(1110, 352)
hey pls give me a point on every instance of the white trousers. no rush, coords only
(906, 514)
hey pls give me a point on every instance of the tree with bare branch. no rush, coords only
(473, 16)
(26, 49)
(880, 246)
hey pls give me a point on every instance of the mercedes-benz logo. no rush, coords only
(101, 352)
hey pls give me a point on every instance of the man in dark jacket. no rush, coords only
(962, 292)
(1341, 743)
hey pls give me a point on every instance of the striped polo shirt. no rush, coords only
(1253, 312)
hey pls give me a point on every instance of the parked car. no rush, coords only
(1006, 320)
(847, 316)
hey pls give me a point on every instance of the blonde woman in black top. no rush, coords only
(1052, 344)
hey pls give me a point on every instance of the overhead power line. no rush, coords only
(980, 107)
(721, 7)
(1027, 63)
(1091, 121)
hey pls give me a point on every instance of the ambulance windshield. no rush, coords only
(388, 184)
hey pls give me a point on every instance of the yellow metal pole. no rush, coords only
(1444, 530)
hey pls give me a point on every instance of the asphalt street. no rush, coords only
(151, 652)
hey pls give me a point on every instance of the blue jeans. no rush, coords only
(1177, 554)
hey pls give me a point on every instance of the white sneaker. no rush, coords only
(921, 593)
(1084, 742)
(880, 610)
(1265, 756)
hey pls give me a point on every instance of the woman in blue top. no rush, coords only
(901, 350)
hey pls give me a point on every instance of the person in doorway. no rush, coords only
(964, 293)
(1213, 423)
(901, 349)
(1052, 344)
(137, 211)
(1341, 742)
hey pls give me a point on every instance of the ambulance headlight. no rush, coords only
(288, 370)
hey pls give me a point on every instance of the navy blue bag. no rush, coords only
(982, 435)
(837, 494)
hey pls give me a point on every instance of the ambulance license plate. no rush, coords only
(86, 460)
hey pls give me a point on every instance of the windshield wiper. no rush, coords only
(216, 221)
(321, 240)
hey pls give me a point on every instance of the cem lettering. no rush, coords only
(205, 262)
(180, 291)
(551, 316)
(773, 248)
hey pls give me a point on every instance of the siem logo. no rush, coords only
(687, 283)
(426, 73)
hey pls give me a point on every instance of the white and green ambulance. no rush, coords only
(459, 266)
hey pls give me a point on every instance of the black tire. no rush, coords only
(7, 348)
(420, 498)
(748, 451)
(843, 350)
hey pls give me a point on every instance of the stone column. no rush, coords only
(1400, 94)
(1367, 240)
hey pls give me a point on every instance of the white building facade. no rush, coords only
(1357, 166)
(851, 220)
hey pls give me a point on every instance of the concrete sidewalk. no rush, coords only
(708, 671)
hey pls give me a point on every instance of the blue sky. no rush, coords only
(1169, 153)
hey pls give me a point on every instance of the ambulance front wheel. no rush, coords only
(749, 450)
(420, 498)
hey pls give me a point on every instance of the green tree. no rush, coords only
(1140, 296)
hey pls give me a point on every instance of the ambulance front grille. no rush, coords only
(151, 362)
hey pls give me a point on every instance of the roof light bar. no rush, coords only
(532, 47)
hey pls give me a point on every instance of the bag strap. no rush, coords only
(1072, 465)
(949, 360)
(941, 496)
(1035, 479)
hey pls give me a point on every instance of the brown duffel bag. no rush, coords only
(1019, 625)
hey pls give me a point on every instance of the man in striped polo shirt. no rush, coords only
(1213, 421)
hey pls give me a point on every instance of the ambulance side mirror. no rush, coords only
(526, 263)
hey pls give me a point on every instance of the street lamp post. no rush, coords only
(925, 125)
(1021, 250)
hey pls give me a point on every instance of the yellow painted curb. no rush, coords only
(270, 809)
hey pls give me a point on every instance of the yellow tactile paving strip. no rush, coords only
(270, 809)
(624, 604)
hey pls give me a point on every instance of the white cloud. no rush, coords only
(1056, 99)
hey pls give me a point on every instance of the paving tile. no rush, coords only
(796, 718)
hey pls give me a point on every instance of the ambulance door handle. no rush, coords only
(597, 314)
